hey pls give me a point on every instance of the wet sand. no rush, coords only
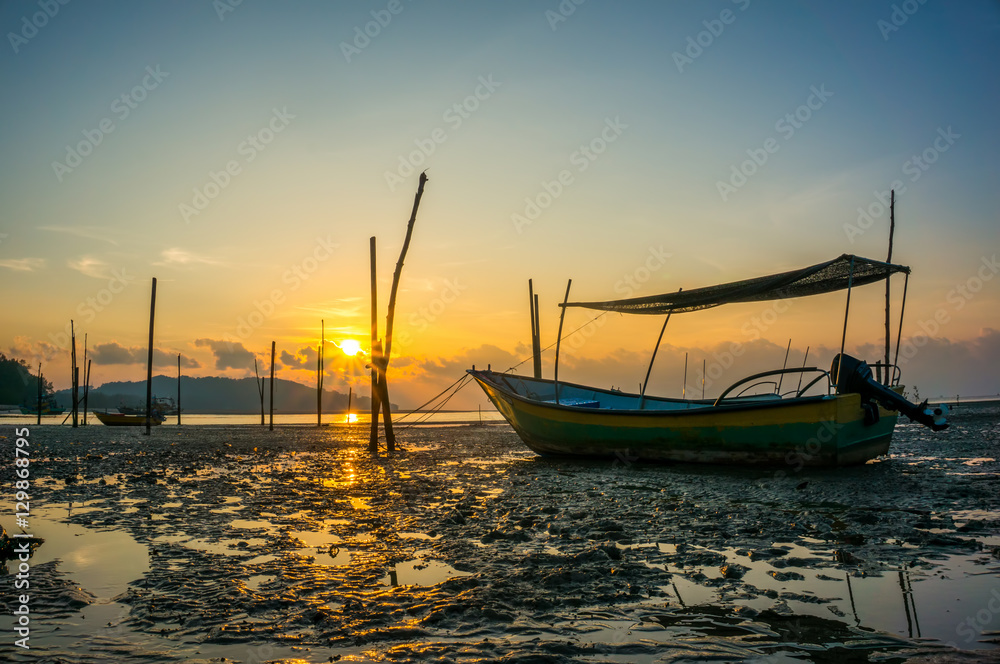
(205, 542)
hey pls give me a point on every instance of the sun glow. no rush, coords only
(350, 347)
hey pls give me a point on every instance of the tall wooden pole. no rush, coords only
(537, 349)
(149, 360)
(376, 398)
(892, 229)
(73, 373)
(350, 395)
(85, 381)
(270, 420)
(536, 354)
(39, 393)
(179, 389)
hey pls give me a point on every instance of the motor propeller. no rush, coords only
(853, 375)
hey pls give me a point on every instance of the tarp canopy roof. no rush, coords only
(825, 277)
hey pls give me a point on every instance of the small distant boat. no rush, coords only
(49, 407)
(123, 420)
(849, 422)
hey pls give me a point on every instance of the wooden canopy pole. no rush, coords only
(149, 360)
(562, 315)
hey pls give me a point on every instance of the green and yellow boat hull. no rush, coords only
(825, 430)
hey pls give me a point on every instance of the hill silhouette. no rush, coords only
(219, 395)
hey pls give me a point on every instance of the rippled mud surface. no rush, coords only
(202, 543)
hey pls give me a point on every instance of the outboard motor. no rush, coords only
(853, 375)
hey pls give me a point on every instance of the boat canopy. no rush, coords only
(827, 277)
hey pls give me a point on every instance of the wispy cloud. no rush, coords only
(90, 232)
(90, 266)
(176, 256)
(23, 264)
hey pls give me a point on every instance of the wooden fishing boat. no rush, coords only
(123, 420)
(849, 421)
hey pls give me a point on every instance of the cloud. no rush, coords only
(115, 353)
(180, 257)
(34, 351)
(304, 358)
(228, 354)
(90, 266)
(91, 232)
(23, 264)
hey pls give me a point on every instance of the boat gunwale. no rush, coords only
(709, 405)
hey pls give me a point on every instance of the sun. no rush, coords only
(350, 347)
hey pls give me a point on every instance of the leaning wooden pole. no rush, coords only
(270, 420)
(562, 315)
(149, 360)
(888, 335)
(350, 395)
(376, 400)
(390, 315)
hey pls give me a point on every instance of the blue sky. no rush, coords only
(497, 100)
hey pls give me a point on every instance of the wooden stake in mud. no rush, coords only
(39, 393)
(376, 399)
(179, 389)
(86, 390)
(319, 376)
(892, 229)
(73, 373)
(270, 420)
(390, 438)
(259, 382)
(149, 360)
(350, 395)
